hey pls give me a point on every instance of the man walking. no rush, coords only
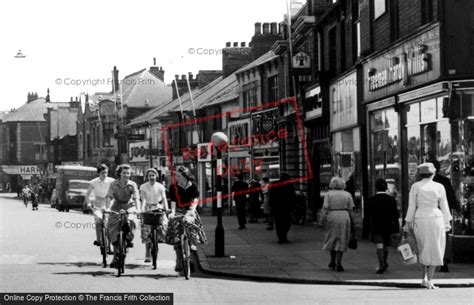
(282, 199)
(240, 199)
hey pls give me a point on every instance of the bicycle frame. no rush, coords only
(154, 235)
(185, 246)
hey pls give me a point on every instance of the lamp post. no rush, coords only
(219, 140)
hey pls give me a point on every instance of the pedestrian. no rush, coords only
(338, 209)
(429, 217)
(254, 201)
(239, 195)
(266, 203)
(452, 203)
(282, 200)
(351, 186)
(383, 222)
(153, 195)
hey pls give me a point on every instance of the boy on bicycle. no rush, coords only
(125, 196)
(100, 187)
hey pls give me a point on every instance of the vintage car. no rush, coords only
(75, 194)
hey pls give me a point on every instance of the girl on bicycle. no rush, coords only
(153, 195)
(184, 199)
(124, 193)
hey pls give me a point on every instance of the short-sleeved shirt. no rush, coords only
(152, 194)
(186, 195)
(100, 187)
(122, 195)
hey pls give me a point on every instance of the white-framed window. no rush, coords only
(379, 8)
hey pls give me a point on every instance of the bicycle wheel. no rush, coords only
(154, 246)
(120, 254)
(103, 248)
(186, 253)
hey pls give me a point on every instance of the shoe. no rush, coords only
(444, 268)
(425, 283)
(96, 243)
(431, 285)
(113, 265)
(380, 270)
(147, 260)
(332, 265)
(339, 268)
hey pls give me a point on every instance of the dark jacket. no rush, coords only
(282, 199)
(383, 214)
(450, 194)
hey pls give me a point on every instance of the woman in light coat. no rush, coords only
(429, 217)
(337, 208)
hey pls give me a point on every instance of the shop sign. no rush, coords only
(263, 126)
(343, 102)
(415, 61)
(29, 170)
(238, 131)
(204, 152)
(138, 151)
(301, 61)
(313, 104)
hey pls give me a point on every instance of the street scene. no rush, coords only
(269, 152)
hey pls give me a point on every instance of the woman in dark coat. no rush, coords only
(383, 219)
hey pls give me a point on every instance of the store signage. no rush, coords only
(239, 130)
(343, 102)
(138, 151)
(131, 137)
(401, 67)
(301, 61)
(263, 127)
(313, 103)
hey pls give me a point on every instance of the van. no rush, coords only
(72, 183)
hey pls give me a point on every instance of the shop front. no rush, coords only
(345, 134)
(414, 117)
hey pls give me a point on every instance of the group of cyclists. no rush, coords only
(122, 194)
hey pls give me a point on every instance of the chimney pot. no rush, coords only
(190, 75)
(266, 28)
(274, 28)
(236, 44)
(228, 44)
(258, 28)
(242, 44)
(154, 61)
(183, 76)
(176, 76)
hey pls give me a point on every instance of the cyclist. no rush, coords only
(153, 195)
(184, 199)
(124, 193)
(99, 186)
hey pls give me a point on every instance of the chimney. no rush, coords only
(261, 44)
(206, 77)
(242, 44)
(258, 28)
(47, 96)
(116, 84)
(31, 97)
(157, 71)
(228, 44)
(266, 28)
(274, 29)
(234, 58)
(183, 76)
(190, 76)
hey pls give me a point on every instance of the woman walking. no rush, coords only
(383, 218)
(428, 215)
(337, 208)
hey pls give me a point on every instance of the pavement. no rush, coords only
(255, 254)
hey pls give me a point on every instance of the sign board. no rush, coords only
(343, 102)
(131, 137)
(313, 103)
(204, 152)
(301, 60)
(138, 151)
(239, 133)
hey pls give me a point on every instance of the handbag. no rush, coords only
(352, 244)
(408, 248)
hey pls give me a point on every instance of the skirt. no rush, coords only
(431, 240)
(196, 231)
(338, 231)
(113, 226)
(162, 228)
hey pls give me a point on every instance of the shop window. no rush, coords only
(108, 133)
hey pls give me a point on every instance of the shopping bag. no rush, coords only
(408, 249)
(352, 243)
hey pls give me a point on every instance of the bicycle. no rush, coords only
(153, 219)
(122, 242)
(185, 244)
(104, 241)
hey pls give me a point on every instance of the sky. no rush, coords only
(72, 46)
